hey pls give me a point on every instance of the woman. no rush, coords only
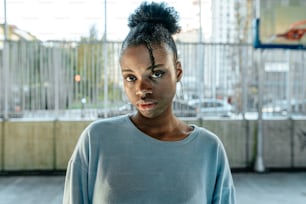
(150, 156)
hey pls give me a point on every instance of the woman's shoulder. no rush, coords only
(106, 125)
(210, 142)
(109, 121)
(103, 130)
(206, 135)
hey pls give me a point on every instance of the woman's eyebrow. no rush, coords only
(152, 67)
(126, 70)
(148, 68)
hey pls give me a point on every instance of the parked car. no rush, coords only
(121, 110)
(13, 112)
(276, 108)
(183, 109)
(280, 108)
(209, 107)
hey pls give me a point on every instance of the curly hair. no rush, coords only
(153, 23)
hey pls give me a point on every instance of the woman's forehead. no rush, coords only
(139, 56)
(141, 50)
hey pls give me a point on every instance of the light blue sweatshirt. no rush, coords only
(116, 163)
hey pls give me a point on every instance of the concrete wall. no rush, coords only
(66, 136)
(277, 143)
(48, 145)
(28, 145)
(299, 142)
(234, 137)
(33, 145)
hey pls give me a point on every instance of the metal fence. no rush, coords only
(83, 80)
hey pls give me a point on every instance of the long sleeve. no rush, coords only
(224, 192)
(76, 181)
(75, 185)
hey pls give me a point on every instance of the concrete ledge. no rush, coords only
(299, 143)
(66, 137)
(28, 145)
(277, 143)
(232, 134)
(48, 145)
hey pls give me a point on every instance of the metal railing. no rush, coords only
(67, 80)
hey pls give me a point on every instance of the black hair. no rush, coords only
(153, 23)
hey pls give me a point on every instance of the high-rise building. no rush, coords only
(231, 26)
(231, 21)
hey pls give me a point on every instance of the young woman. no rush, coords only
(150, 156)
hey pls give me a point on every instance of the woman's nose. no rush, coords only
(143, 87)
(143, 94)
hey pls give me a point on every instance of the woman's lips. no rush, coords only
(147, 105)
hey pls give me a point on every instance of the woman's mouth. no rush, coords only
(146, 105)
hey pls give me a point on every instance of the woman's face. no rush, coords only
(151, 91)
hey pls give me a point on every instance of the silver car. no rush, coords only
(210, 107)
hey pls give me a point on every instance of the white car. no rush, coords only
(284, 107)
(212, 107)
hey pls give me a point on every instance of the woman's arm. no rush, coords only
(224, 192)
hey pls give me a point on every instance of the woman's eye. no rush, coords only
(130, 78)
(157, 74)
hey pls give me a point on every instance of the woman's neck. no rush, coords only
(165, 128)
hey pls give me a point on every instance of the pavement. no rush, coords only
(270, 188)
(251, 188)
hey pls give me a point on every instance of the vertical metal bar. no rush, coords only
(200, 76)
(64, 77)
(24, 75)
(6, 77)
(5, 66)
(27, 76)
(288, 84)
(98, 76)
(31, 76)
(41, 75)
(5, 22)
(92, 76)
(56, 65)
(14, 82)
(71, 75)
(105, 61)
(84, 78)
(244, 79)
(76, 72)
(225, 69)
(259, 163)
(213, 72)
(37, 76)
(50, 72)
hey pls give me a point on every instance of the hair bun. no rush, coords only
(155, 13)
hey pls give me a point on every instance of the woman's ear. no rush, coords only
(179, 71)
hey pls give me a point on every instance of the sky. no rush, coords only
(71, 19)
